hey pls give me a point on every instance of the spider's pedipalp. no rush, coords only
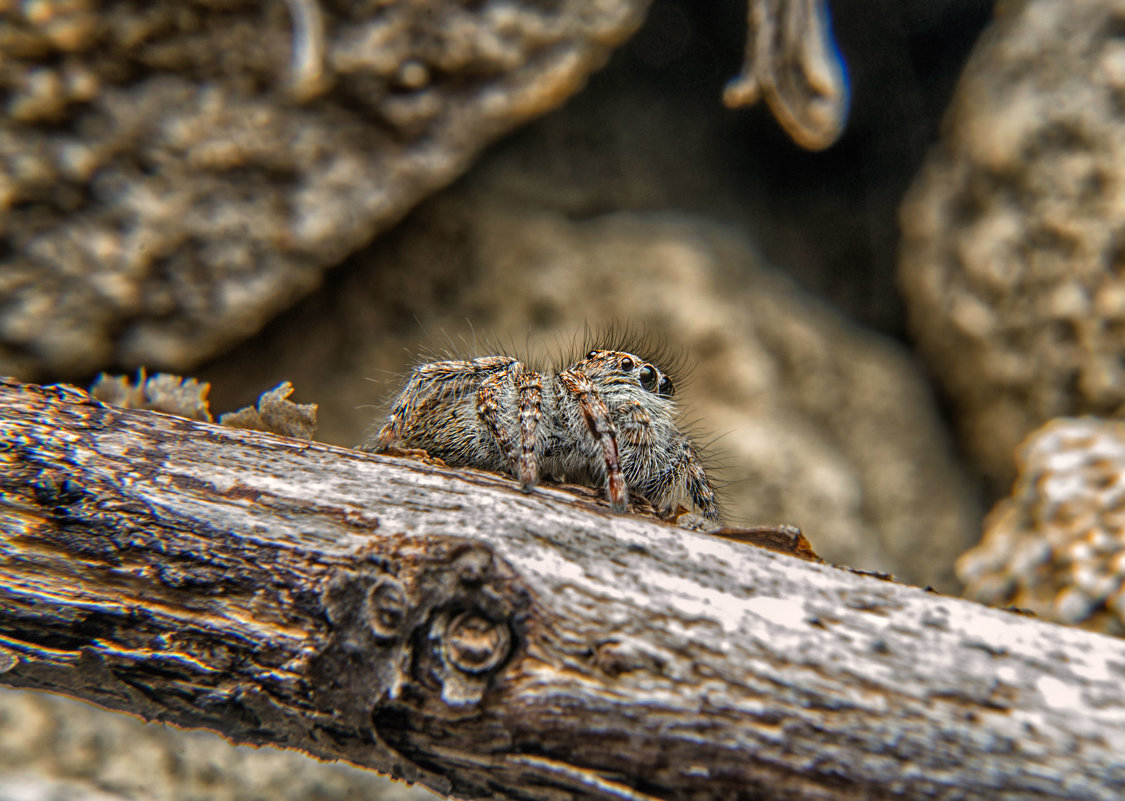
(685, 476)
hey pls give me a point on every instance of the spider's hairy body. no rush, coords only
(607, 420)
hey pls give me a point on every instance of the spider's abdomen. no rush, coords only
(440, 411)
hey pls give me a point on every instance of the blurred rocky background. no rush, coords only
(57, 749)
(1056, 546)
(1013, 257)
(328, 191)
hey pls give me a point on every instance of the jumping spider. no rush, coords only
(608, 418)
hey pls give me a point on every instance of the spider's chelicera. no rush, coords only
(607, 419)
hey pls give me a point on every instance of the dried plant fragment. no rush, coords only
(783, 539)
(276, 414)
(187, 397)
(163, 392)
(793, 62)
(308, 78)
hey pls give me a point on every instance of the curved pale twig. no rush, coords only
(792, 61)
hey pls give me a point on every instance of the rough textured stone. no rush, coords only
(106, 186)
(45, 739)
(819, 424)
(1056, 546)
(173, 174)
(1014, 234)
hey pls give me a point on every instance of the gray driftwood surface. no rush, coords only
(445, 628)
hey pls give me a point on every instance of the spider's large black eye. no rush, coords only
(666, 388)
(648, 378)
(626, 364)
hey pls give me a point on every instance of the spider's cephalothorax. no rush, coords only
(608, 418)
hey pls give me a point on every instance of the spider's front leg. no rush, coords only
(600, 425)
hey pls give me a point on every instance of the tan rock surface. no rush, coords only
(173, 174)
(1056, 545)
(52, 746)
(1012, 236)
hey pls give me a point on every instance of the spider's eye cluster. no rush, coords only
(654, 381)
(626, 364)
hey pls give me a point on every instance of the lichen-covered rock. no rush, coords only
(1056, 546)
(174, 173)
(819, 424)
(1014, 234)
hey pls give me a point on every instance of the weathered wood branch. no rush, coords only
(443, 627)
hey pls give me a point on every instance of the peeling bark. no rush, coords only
(441, 626)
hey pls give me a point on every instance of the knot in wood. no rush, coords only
(432, 619)
(473, 566)
(469, 645)
(55, 491)
(386, 609)
(474, 644)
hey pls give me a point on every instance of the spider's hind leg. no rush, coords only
(492, 397)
